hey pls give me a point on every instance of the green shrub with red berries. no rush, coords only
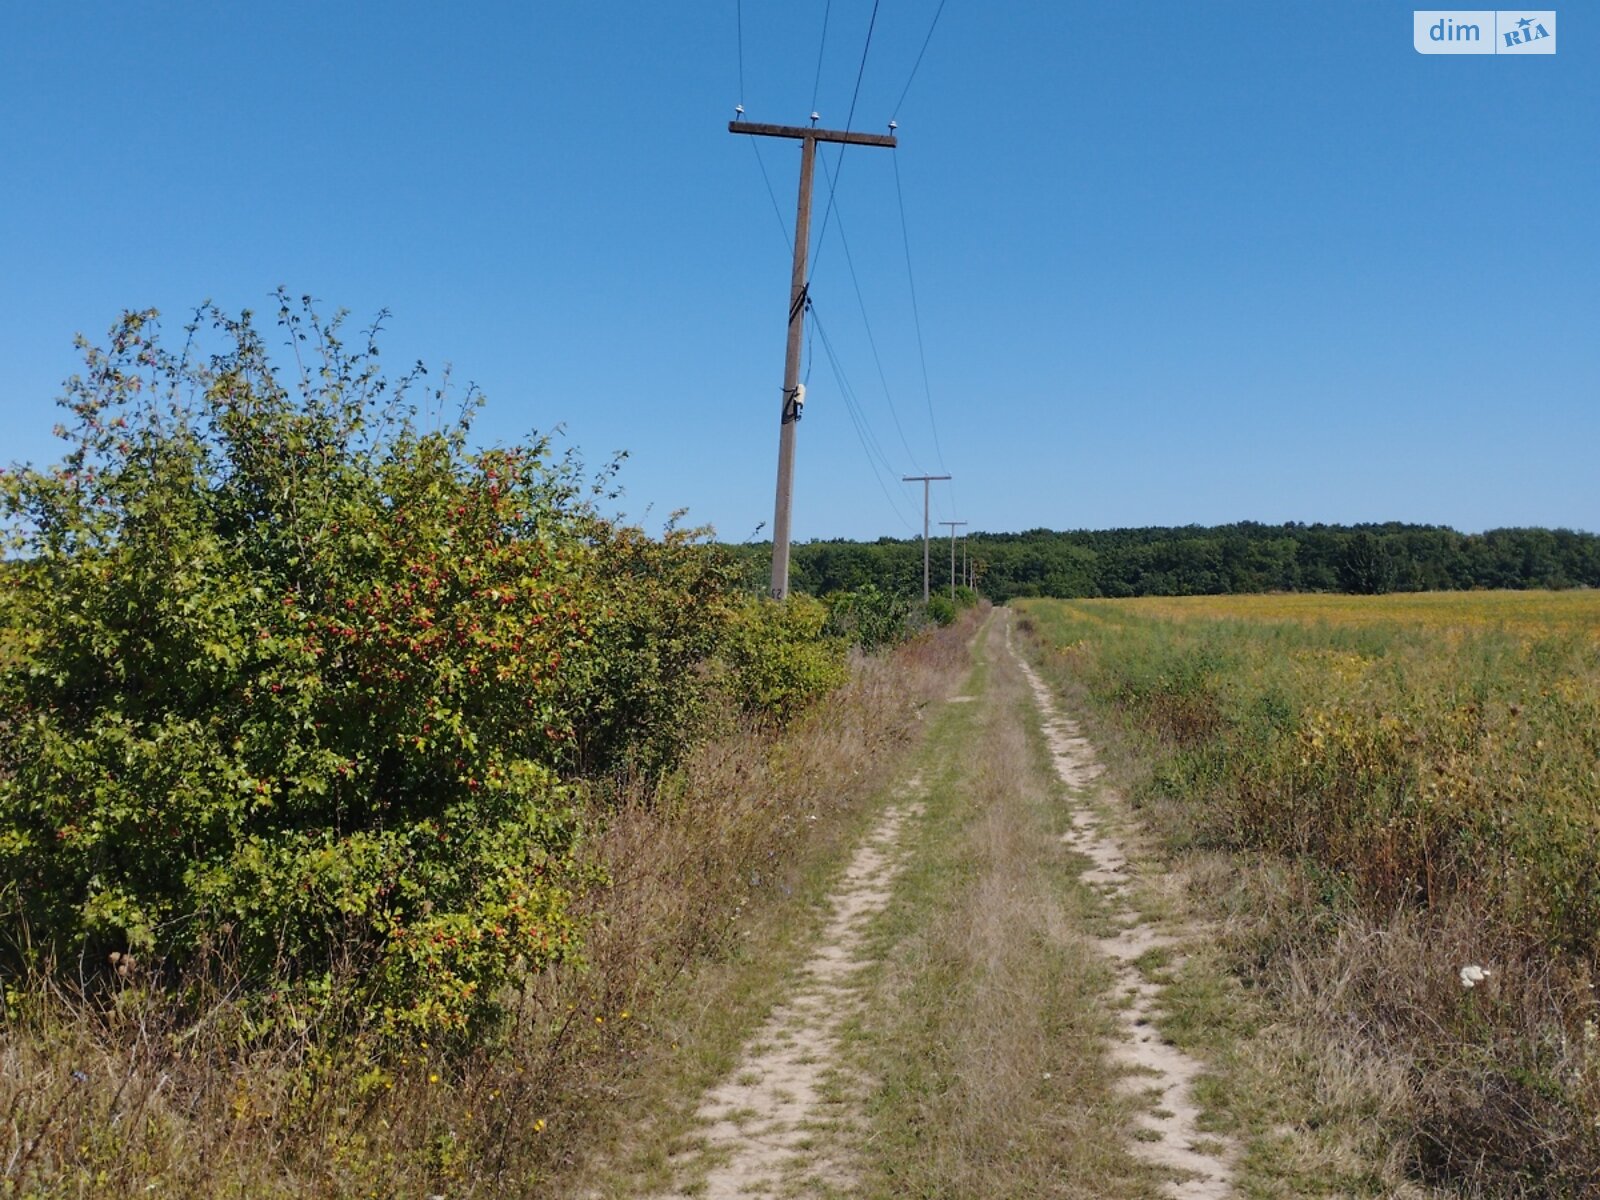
(290, 675)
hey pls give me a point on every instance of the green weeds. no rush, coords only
(1365, 810)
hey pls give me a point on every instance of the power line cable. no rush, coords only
(783, 226)
(916, 320)
(861, 70)
(895, 112)
(864, 435)
(811, 351)
(849, 123)
(916, 316)
(738, 21)
(872, 341)
(817, 82)
(870, 437)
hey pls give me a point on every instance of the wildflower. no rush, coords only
(538, 1126)
(433, 1077)
(1472, 976)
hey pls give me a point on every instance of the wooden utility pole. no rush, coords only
(793, 395)
(952, 525)
(926, 479)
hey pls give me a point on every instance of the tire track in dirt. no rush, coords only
(771, 1128)
(1169, 1135)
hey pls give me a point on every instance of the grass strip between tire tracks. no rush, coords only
(987, 1032)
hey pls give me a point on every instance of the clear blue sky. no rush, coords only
(1175, 262)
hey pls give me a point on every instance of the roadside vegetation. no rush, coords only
(366, 800)
(1391, 808)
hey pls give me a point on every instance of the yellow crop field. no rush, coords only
(1431, 745)
(1432, 748)
(1424, 772)
(1524, 612)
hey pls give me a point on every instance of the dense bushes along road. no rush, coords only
(299, 690)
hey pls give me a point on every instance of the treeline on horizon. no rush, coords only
(1207, 560)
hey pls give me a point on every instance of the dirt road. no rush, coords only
(774, 1126)
(975, 1012)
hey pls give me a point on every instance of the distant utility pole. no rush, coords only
(952, 525)
(793, 393)
(926, 479)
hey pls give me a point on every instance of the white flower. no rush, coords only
(1471, 976)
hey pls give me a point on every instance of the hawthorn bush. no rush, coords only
(649, 691)
(287, 674)
(778, 659)
(870, 617)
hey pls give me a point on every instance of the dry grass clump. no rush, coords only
(1487, 1090)
(165, 1089)
(1374, 810)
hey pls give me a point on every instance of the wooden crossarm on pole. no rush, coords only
(848, 137)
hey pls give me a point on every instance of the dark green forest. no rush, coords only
(1207, 560)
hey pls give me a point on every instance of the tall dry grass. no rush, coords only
(1378, 806)
(162, 1091)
